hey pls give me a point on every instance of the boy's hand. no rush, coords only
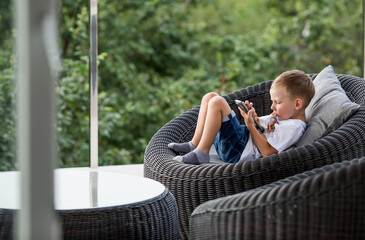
(248, 104)
(262, 144)
(248, 116)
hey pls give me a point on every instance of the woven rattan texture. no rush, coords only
(192, 185)
(326, 203)
(156, 218)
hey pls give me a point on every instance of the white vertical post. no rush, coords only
(36, 52)
(93, 83)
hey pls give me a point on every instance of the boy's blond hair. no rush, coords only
(298, 84)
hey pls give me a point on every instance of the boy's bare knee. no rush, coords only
(220, 103)
(210, 95)
(216, 100)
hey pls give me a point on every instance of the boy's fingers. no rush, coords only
(250, 112)
(254, 111)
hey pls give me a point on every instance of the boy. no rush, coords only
(217, 124)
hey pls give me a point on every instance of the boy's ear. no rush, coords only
(298, 103)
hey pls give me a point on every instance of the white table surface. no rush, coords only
(85, 189)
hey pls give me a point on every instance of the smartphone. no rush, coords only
(241, 105)
(245, 109)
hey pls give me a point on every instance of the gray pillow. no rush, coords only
(329, 108)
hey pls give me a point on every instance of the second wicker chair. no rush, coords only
(325, 203)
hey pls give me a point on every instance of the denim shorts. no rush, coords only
(231, 139)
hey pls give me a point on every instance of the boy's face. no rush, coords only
(282, 105)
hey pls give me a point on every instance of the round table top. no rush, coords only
(85, 189)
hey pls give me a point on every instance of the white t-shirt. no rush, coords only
(286, 134)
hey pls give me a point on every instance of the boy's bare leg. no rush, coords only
(190, 146)
(216, 110)
(202, 117)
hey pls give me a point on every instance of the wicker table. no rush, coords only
(100, 205)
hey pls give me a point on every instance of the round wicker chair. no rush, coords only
(195, 184)
(325, 203)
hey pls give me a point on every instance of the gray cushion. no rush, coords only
(329, 108)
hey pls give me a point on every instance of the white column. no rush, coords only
(37, 61)
(93, 83)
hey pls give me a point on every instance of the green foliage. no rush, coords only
(73, 113)
(7, 107)
(318, 33)
(158, 57)
(5, 20)
(232, 16)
